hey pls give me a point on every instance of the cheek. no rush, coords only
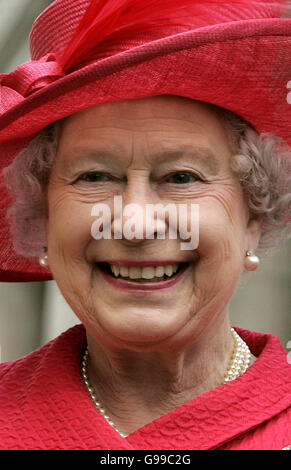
(69, 225)
(222, 223)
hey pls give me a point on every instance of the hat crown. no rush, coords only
(54, 28)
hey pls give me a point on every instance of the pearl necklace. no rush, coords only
(240, 359)
(92, 393)
(239, 362)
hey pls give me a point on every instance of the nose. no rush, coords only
(134, 214)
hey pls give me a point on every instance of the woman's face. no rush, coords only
(137, 134)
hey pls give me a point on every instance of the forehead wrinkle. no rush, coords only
(73, 158)
(160, 156)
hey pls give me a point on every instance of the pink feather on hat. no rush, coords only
(117, 20)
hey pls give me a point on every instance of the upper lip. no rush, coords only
(143, 263)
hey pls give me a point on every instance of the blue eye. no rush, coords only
(183, 178)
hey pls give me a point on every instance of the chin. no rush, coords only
(144, 327)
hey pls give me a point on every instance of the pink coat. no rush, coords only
(44, 405)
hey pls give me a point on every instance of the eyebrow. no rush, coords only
(203, 154)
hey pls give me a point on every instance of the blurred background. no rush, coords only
(33, 313)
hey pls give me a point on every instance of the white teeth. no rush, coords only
(160, 271)
(115, 270)
(123, 271)
(169, 270)
(175, 267)
(134, 273)
(148, 272)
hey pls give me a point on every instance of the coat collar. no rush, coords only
(226, 412)
(54, 410)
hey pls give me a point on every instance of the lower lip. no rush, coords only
(140, 288)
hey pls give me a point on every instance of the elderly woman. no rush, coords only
(154, 104)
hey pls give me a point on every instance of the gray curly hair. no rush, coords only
(262, 163)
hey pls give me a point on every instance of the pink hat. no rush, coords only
(234, 54)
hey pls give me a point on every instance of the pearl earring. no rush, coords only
(251, 261)
(43, 259)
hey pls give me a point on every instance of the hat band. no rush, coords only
(31, 76)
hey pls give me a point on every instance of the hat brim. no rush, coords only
(243, 66)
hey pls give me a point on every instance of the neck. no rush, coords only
(153, 383)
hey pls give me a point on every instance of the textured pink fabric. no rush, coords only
(29, 77)
(54, 28)
(45, 405)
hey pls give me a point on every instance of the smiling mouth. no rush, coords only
(105, 267)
